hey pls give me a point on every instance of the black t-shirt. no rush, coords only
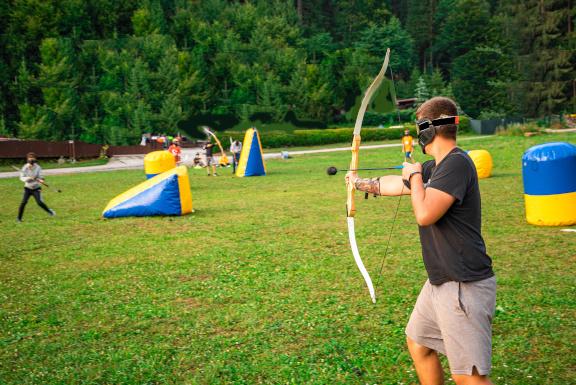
(208, 149)
(453, 248)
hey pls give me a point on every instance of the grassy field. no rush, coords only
(259, 286)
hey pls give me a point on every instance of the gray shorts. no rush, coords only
(455, 319)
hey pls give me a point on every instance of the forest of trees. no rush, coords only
(105, 71)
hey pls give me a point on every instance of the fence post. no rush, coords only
(72, 151)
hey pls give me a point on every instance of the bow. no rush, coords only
(350, 204)
(223, 157)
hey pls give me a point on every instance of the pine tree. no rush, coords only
(541, 33)
(3, 129)
(171, 112)
(149, 19)
(480, 82)
(377, 38)
(136, 107)
(463, 25)
(414, 76)
(420, 25)
(138, 122)
(471, 49)
(448, 92)
(59, 80)
(34, 122)
(422, 93)
(435, 82)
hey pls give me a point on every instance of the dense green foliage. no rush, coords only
(106, 71)
(259, 286)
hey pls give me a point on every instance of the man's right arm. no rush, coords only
(23, 177)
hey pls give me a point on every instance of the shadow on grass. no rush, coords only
(506, 175)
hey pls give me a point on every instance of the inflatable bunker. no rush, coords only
(251, 158)
(157, 162)
(483, 162)
(549, 175)
(165, 194)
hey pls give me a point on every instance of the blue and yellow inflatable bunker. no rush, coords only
(165, 194)
(251, 158)
(157, 162)
(549, 174)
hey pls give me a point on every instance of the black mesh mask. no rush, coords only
(427, 129)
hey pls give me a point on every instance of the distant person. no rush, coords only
(407, 145)
(163, 141)
(31, 175)
(210, 161)
(175, 150)
(197, 161)
(236, 150)
(160, 140)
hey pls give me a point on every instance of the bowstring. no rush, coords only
(401, 191)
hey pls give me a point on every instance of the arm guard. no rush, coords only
(369, 185)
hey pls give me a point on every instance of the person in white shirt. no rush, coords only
(31, 175)
(235, 149)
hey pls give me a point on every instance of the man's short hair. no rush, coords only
(31, 155)
(437, 107)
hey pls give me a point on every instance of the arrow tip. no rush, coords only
(331, 170)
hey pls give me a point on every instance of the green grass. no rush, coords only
(259, 284)
(9, 164)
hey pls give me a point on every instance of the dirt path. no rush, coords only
(129, 162)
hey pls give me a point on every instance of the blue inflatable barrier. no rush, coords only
(165, 194)
(549, 175)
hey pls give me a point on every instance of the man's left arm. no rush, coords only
(429, 204)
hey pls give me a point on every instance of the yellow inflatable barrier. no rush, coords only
(551, 210)
(157, 162)
(223, 161)
(483, 162)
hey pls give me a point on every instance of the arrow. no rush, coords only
(333, 170)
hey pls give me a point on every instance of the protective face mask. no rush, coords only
(425, 137)
(427, 129)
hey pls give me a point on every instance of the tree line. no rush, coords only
(106, 71)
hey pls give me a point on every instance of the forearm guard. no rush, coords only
(369, 185)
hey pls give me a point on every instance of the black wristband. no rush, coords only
(407, 181)
(412, 174)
